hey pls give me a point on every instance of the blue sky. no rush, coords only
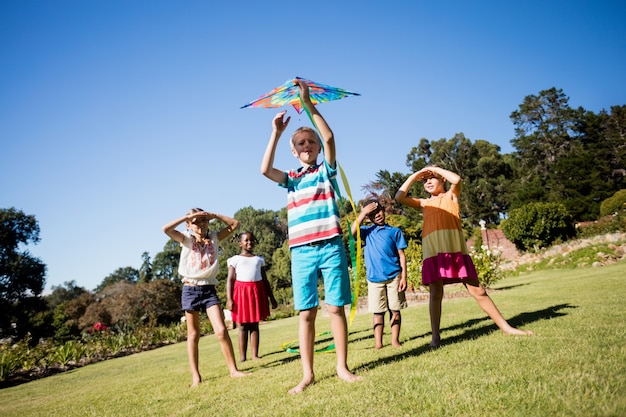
(117, 117)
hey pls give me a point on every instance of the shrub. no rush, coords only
(487, 263)
(538, 225)
(413, 254)
(604, 225)
(613, 204)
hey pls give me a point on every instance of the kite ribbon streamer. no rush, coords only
(355, 257)
(291, 347)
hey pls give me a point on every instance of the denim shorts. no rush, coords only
(199, 297)
(328, 259)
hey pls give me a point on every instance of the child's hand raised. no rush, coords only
(280, 123)
(304, 90)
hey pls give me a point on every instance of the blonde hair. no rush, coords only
(303, 129)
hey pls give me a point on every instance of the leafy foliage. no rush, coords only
(487, 263)
(413, 254)
(538, 225)
(127, 274)
(22, 276)
(613, 204)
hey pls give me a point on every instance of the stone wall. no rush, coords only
(495, 239)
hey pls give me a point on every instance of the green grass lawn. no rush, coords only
(575, 365)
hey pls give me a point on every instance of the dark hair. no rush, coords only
(247, 232)
(372, 200)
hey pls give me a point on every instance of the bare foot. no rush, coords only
(348, 376)
(238, 374)
(396, 344)
(302, 385)
(195, 382)
(256, 358)
(434, 344)
(518, 332)
(378, 347)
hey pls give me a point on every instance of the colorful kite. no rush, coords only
(288, 94)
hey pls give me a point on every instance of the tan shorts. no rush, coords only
(384, 296)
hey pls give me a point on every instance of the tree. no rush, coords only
(552, 161)
(62, 293)
(565, 155)
(22, 276)
(126, 274)
(145, 271)
(545, 127)
(165, 263)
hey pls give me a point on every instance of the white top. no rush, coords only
(247, 268)
(198, 261)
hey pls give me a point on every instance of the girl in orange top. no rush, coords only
(445, 254)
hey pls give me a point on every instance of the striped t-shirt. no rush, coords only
(312, 212)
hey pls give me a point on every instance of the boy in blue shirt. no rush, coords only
(385, 265)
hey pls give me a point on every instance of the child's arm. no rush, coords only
(268, 288)
(327, 134)
(402, 193)
(365, 211)
(170, 228)
(231, 225)
(402, 282)
(230, 285)
(267, 165)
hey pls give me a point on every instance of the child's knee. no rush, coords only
(335, 310)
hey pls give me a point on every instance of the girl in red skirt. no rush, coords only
(247, 291)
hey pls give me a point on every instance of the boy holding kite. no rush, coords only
(314, 235)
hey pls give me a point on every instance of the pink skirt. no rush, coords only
(250, 302)
(449, 268)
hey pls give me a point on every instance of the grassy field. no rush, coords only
(575, 365)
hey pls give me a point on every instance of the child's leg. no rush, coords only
(192, 318)
(306, 338)
(488, 306)
(219, 327)
(254, 339)
(339, 327)
(243, 341)
(394, 322)
(436, 296)
(379, 324)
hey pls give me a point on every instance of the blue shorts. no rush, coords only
(328, 259)
(199, 297)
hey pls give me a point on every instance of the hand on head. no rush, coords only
(371, 207)
(424, 173)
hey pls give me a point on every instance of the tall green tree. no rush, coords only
(145, 270)
(22, 276)
(566, 155)
(546, 136)
(165, 263)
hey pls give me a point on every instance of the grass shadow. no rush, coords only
(471, 334)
